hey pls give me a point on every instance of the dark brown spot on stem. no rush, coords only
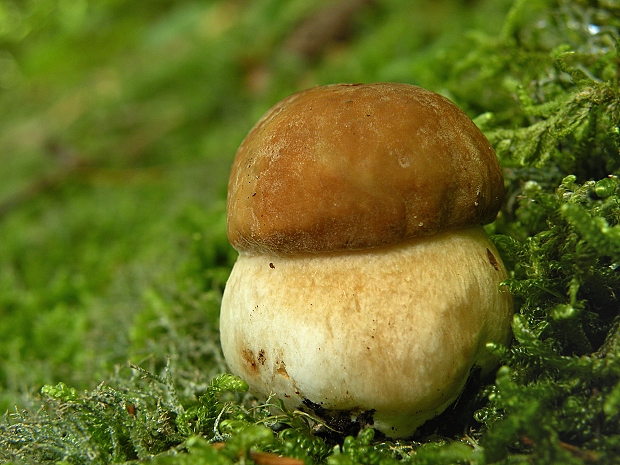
(492, 260)
(250, 360)
(281, 369)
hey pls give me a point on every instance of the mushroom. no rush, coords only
(365, 286)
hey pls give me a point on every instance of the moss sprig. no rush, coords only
(559, 235)
(113, 424)
(551, 398)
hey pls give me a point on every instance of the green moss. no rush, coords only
(112, 225)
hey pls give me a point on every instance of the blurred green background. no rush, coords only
(118, 123)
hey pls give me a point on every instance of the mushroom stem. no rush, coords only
(392, 330)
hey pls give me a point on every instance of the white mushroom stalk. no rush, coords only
(365, 285)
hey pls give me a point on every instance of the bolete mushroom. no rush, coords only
(365, 287)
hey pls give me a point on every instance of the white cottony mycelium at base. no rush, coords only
(388, 333)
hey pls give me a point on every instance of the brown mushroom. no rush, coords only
(365, 284)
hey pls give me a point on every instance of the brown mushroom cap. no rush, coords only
(349, 166)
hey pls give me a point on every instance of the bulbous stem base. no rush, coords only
(389, 334)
